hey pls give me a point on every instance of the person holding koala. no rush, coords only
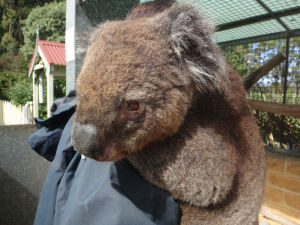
(165, 104)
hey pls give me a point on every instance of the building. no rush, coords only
(48, 63)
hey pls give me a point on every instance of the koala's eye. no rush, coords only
(131, 110)
(133, 106)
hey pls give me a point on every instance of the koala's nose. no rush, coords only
(84, 139)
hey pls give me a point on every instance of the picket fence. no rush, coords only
(12, 115)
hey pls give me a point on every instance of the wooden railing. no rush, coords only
(282, 109)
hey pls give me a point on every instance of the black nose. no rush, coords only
(84, 139)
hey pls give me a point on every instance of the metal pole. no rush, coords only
(70, 45)
(286, 67)
(37, 35)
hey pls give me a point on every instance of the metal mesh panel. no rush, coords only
(257, 29)
(224, 12)
(277, 131)
(276, 5)
(293, 22)
(228, 11)
(249, 57)
(293, 90)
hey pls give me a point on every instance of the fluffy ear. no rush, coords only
(190, 38)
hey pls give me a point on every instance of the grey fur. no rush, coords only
(187, 27)
(193, 133)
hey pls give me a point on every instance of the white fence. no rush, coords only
(12, 115)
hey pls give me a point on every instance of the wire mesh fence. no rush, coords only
(249, 57)
(277, 131)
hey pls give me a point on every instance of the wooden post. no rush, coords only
(41, 91)
(50, 91)
(35, 88)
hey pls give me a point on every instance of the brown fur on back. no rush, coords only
(192, 133)
(215, 163)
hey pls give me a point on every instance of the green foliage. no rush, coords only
(236, 59)
(9, 44)
(43, 111)
(8, 18)
(59, 87)
(1, 28)
(13, 63)
(279, 131)
(51, 20)
(7, 79)
(9, 26)
(12, 12)
(13, 68)
(21, 92)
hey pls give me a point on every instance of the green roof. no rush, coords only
(240, 21)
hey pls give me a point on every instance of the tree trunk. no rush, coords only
(19, 28)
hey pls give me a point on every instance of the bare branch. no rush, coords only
(263, 70)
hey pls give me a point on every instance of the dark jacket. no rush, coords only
(85, 192)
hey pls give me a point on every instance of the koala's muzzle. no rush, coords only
(84, 139)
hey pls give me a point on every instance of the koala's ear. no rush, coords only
(189, 35)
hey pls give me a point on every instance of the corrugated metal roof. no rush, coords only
(53, 52)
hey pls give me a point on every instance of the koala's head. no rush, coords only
(139, 79)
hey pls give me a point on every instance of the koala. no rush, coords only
(156, 90)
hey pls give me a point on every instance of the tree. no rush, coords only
(12, 13)
(13, 69)
(237, 59)
(9, 44)
(21, 92)
(51, 19)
